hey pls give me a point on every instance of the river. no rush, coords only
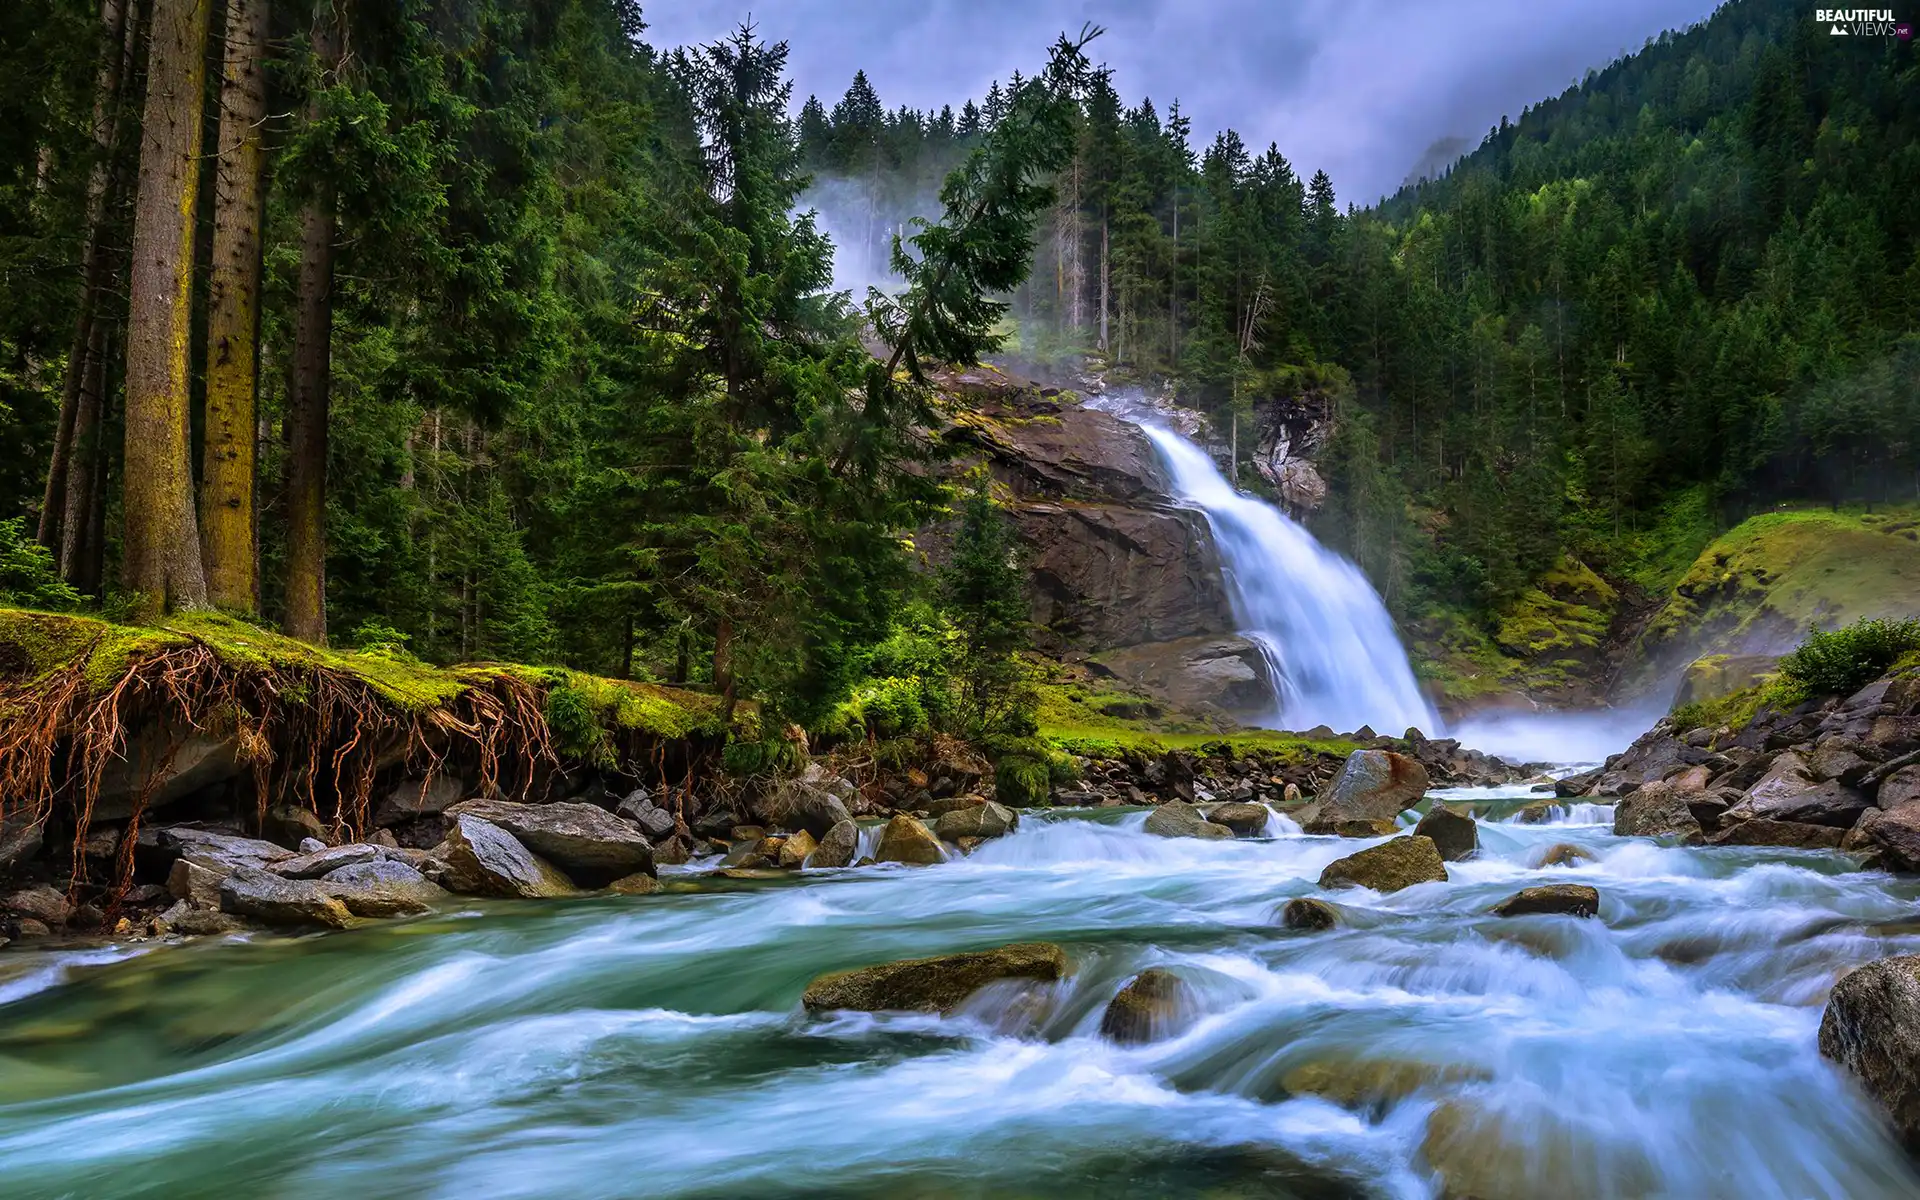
(655, 1046)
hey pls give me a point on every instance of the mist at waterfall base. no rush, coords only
(655, 1046)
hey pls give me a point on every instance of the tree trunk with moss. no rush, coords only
(162, 543)
(312, 363)
(233, 316)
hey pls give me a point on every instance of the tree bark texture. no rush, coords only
(233, 317)
(163, 568)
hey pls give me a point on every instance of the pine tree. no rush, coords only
(983, 595)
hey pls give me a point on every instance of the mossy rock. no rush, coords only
(932, 984)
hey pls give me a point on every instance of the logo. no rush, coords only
(1862, 22)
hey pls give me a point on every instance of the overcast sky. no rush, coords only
(1360, 88)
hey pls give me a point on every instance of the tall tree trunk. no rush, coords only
(115, 49)
(80, 549)
(312, 365)
(233, 317)
(1104, 282)
(162, 544)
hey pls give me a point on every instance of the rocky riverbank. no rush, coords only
(209, 776)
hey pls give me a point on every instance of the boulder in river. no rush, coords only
(590, 844)
(1388, 867)
(932, 984)
(1312, 821)
(1177, 818)
(976, 821)
(1307, 914)
(485, 859)
(1453, 831)
(1246, 820)
(838, 847)
(906, 840)
(1872, 1028)
(264, 896)
(382, 888)
(1151, 1006)
(1553, 899)
(1374, 785)
(1656, 810)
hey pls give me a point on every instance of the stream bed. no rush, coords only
(655, 1046)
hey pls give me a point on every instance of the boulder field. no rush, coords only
(1841, 772)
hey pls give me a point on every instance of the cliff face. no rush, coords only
(1114, 565)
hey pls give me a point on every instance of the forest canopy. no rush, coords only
(488, 330)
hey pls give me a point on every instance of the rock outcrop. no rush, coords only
(1207, 673)
(1835, 772)
(932, 984)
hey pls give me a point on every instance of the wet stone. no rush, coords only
(1308, 914)
(1554, 899)
(932, 984)
(1150, 1007)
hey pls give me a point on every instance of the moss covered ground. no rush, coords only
(36, 644)
(1757, 588)
(1084, 713)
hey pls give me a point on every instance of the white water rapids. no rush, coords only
(1330, 645)
(655, 1046)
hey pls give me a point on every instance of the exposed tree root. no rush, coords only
(314, 737)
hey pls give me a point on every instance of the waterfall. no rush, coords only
(1334, 655)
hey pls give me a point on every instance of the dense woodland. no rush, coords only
(1687, 288)
(483, 329)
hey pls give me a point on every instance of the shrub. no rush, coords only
(575, 727)
(1840, 661)
(27, 575)
(1022, 780)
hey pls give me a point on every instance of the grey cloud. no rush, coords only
(1361, 88)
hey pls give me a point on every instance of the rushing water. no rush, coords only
(655, 1046)
(1335, 656)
